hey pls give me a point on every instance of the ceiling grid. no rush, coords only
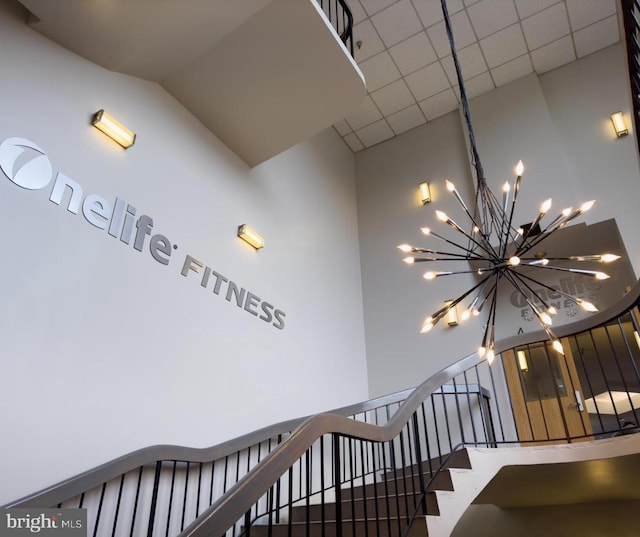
(405, 56)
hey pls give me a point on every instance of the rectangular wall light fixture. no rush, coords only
(425, 194)
(113, 129)
(619, 125)
(452, 314)
(522, 361)
(250, 236)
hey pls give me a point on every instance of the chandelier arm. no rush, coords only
(473, 221)
(513, 281)
(455, 226)
(551, 228)
(464, 257)
(592, 273)
(575, 300)
(423, 259)
(516, 189)
(465, 249)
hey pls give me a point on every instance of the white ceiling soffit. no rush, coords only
(145, 38)
(262, 75)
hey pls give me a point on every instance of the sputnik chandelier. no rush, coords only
(499, 250)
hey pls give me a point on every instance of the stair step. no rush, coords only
(356, 508)
(403, 484)
(458, 459)
(359, 528)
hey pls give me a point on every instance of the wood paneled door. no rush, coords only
(546, 395)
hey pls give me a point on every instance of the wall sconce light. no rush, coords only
(113, 129)
(619, 124)
(250, 236)
(452, 314)
(522, 361)
(425, 194)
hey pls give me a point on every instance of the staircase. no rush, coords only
(376, 509)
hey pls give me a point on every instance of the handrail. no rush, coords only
(228, 509)
(75, 485)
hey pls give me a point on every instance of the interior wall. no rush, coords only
(569, 120)
(107, 348)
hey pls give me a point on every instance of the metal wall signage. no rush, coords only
(27, 166)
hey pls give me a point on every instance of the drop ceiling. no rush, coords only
(406, 59)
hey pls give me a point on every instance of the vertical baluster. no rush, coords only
(135, 502)
(473, 425)
(95, 529)
(495, 395)
(338, 490)
(418, 448)
(115, 517)
(364, 490)
(186, 492)
(436, 427)
(154, 499)
(199, 485)
(173, 480)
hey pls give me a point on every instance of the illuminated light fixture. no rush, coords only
(613, 403)
(501, 253)
(522, 361)
(425, 193)
(113, 129)
(452, 313)
(619, 124)
(250, 236)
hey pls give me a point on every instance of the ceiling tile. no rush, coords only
(490, 16)
(375, 133)
(366, 114)
(471, 63)
(393, 97)
(504, 45)
(342, 127)
(439, 104)
(373, 6)
(397, 22)
(353, 142)
(512, 70)
(585, 12)
(379, 71)
(526, 8)
(371, 42)
(478, 85)
(597, 36)
(357, 11)
(430, 11)
(406, 119)
(553, 55)
(462, 34)
(546, 26)
(427, 81)
(413, 53)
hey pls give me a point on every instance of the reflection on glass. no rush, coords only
(542, 379)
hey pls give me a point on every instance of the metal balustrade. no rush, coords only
(340, 17)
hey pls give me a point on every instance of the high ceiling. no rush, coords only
(405, 55)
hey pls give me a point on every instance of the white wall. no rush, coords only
(106, 350)
(569, 120)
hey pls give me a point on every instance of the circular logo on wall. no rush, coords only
(25, 164)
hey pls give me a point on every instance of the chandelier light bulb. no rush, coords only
(566, 212)
(506, 187)
(519, 168)
(409, 260)
(586, 206)
(426, 327)
(514, 261)
(426, 230)
(491, 355)
(552, 311)
(481, 351)
(608, 258)
(450, 186)
(546, 319)
(587, 306)
(557, 346)
(442, 216)
(601, 276)
(465, 315)
(546, 205)
(405, 248)
(519, 231)
(430, 275)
